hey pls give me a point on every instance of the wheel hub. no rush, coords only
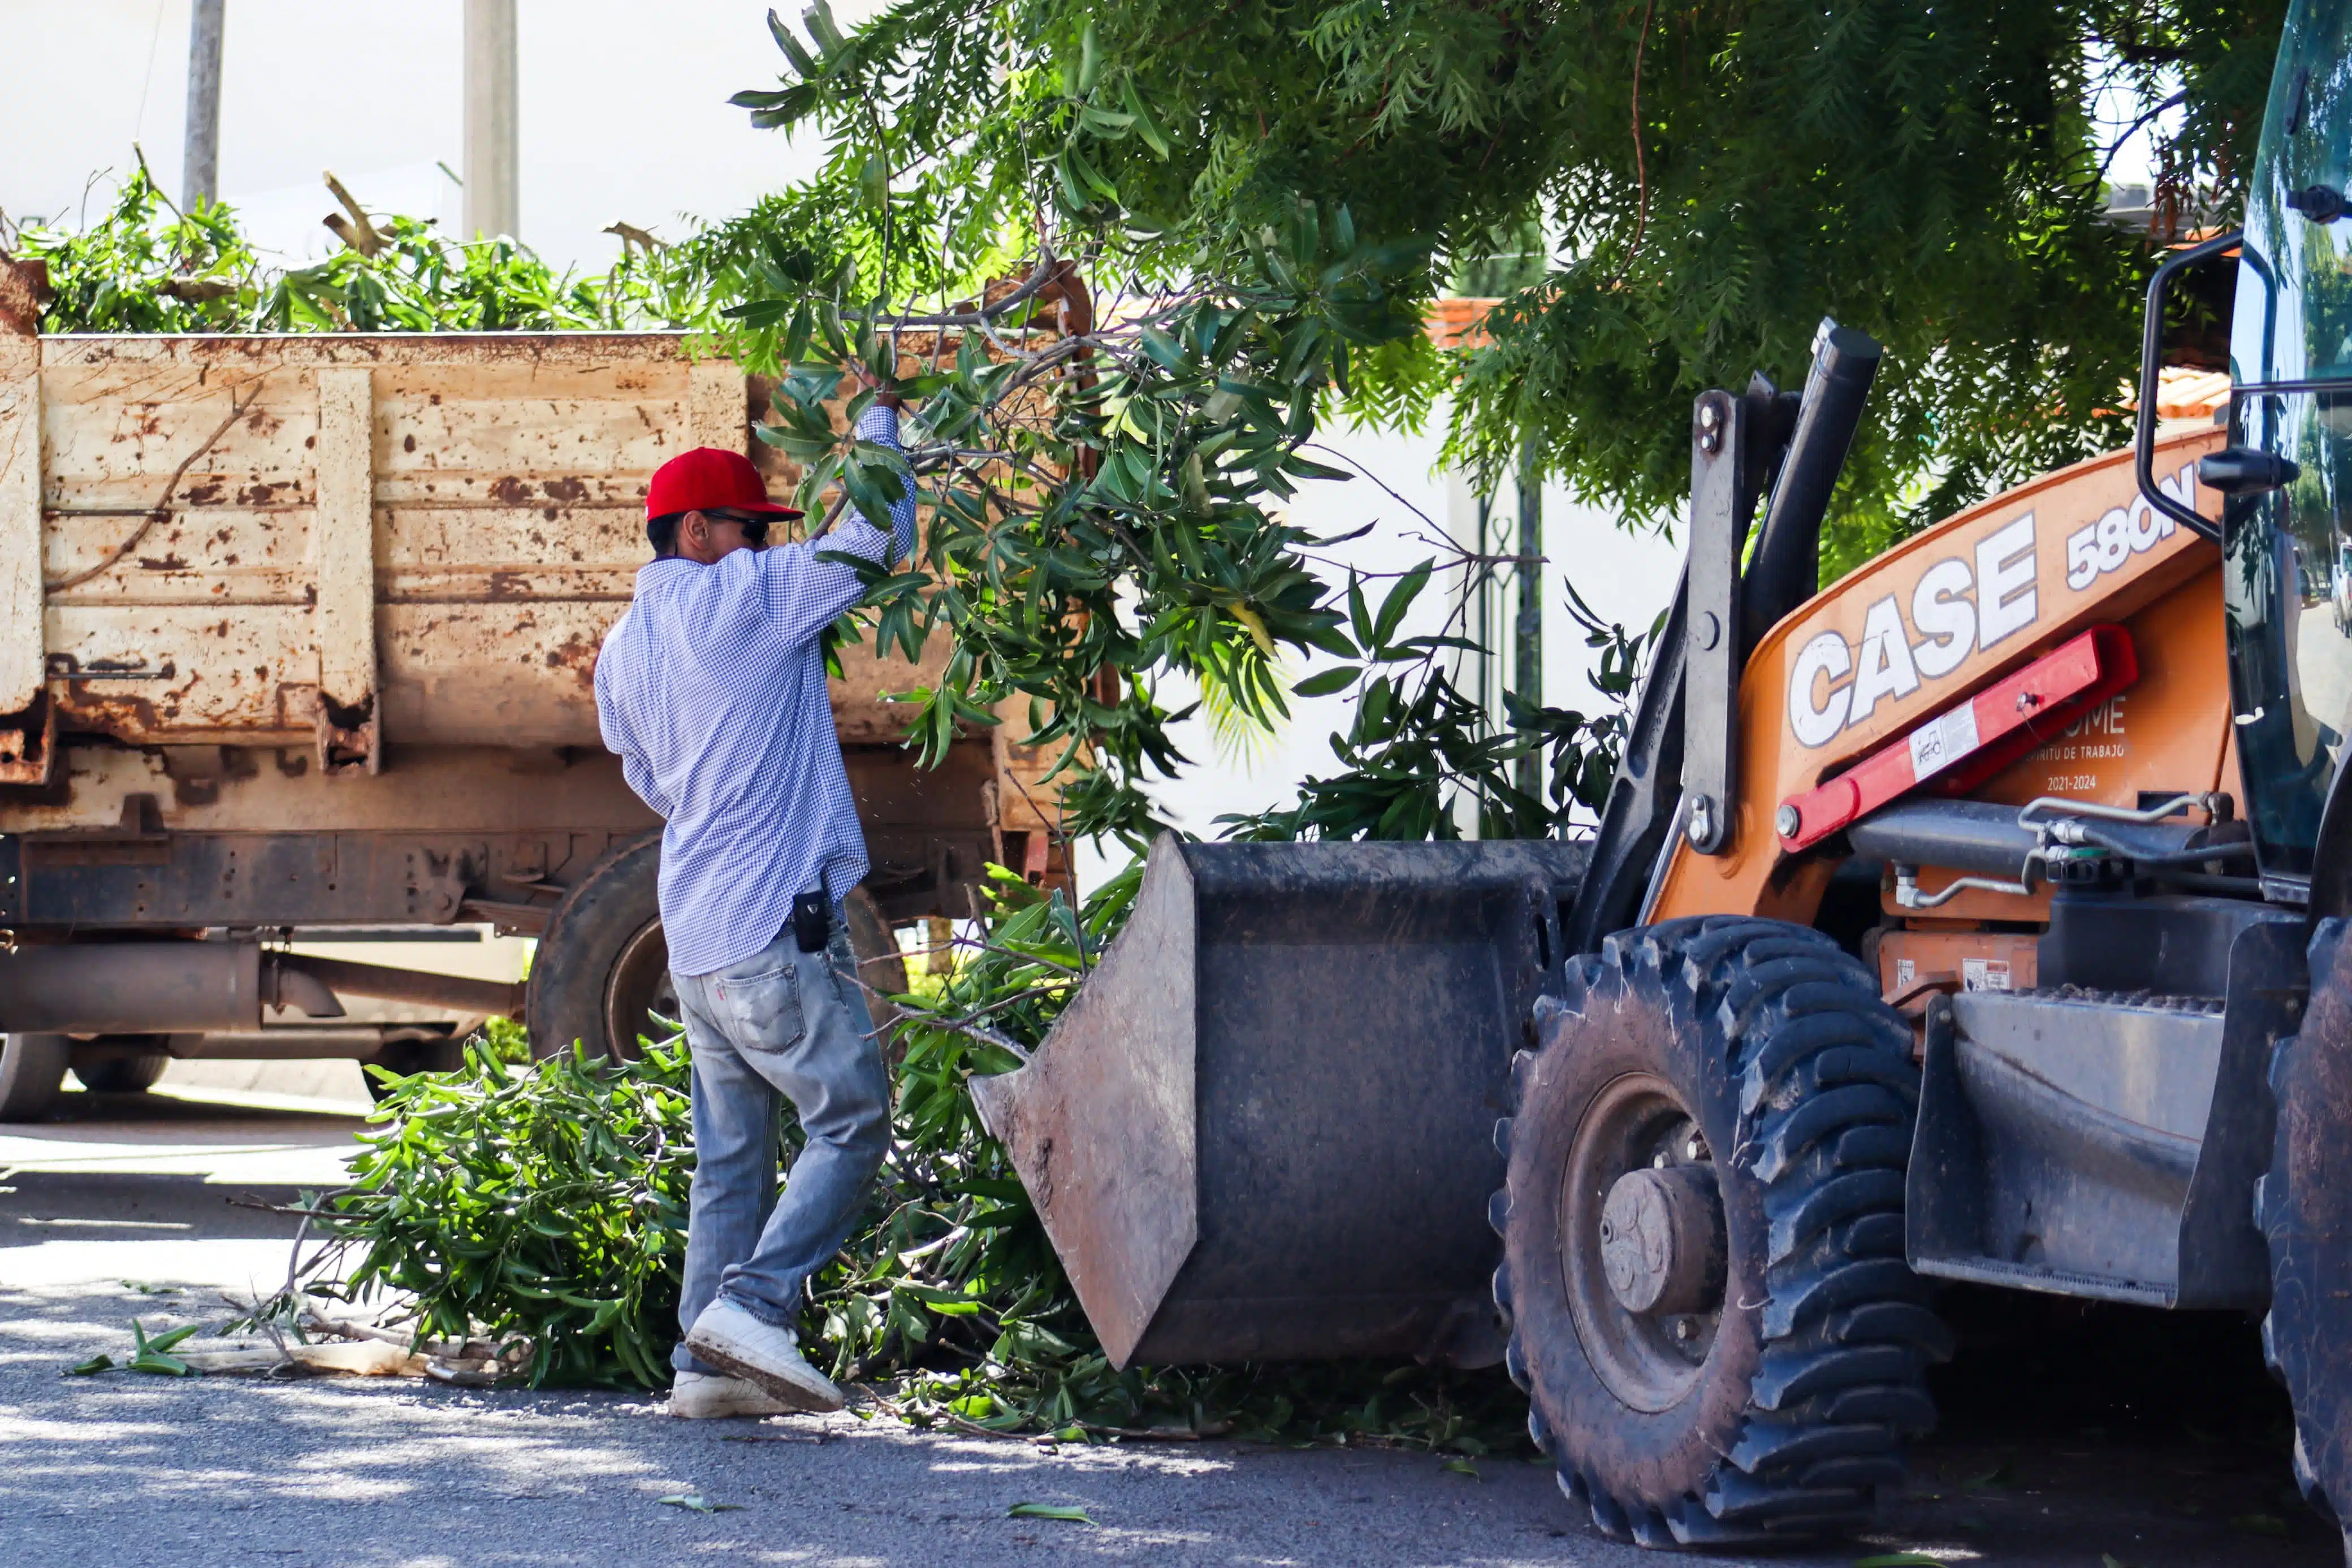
(1662, 1238)
(1641, 1241)
(638, 986)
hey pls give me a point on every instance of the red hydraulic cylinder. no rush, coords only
(1972, 740)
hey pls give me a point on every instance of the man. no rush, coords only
(711, 687)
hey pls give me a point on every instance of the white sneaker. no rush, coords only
(702, 1396)
(728, 1336)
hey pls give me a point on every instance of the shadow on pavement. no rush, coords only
(39, 1206)
(2146, 1437)
(79, 1116)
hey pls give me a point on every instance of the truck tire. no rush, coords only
(32, 1071)
(881, 966)
(1702, 1224)
(2303, 1208)
(602, 968)
(120, 1069)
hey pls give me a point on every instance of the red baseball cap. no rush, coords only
(711, 479)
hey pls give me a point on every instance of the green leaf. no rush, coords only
(1145, 126)
(1400, 600)
(1093, 178)
(1164, 349)
(144, 1289)
(2260, 1524)
(92, 1367)
(1048, 1511)
(1461, 1468)
(790, 45)
(694, 1502)
(1306, 468)
(1328, 682)
(818, 20)
(1089, 57)
(947, 1304)
(1072, 190)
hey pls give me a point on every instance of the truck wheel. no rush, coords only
(32, 1071)
(2305, 1212)
(879, 965)
(122, 1070)
(602, 968)
(1702, 1229)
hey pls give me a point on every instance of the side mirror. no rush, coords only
(2151, 362)
(2246, 471)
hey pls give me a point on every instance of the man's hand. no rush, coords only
(883, 395)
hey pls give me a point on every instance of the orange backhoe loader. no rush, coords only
(1979, 918)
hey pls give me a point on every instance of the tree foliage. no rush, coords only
(146, 265)
(1108, 479)
(1714, 178)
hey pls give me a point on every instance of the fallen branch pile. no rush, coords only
(529, 1222)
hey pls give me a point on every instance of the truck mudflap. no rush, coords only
(1264, 1130)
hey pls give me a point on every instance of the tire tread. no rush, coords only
(1827, 1094)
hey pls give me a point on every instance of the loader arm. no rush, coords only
(1792, 446)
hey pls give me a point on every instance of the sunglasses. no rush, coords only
(755, 528)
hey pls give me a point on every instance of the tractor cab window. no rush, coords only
(2294, 310)
(2287, 572)
(2287, 585)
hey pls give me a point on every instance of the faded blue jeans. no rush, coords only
(781, 1024)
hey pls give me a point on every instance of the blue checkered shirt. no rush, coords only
(711, 687)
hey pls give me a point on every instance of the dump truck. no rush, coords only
(297, 636)
(1979, 918)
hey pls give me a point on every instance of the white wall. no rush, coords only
(624, 110)
(1624, 575)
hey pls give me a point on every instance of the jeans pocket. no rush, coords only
(764, 1010)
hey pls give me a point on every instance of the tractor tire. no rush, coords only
(2303, 1208)
(1703, 1267)
(32, 1071)
(602, 966)
(121, 1070)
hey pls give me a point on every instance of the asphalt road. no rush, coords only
(2071, 1438)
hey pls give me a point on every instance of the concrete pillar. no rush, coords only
(1470, 523)
(493, 140)
(199, 166)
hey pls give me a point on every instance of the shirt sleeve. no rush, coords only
(805, 595)
(612, 727)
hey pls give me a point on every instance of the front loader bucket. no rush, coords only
(1263, 1129)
